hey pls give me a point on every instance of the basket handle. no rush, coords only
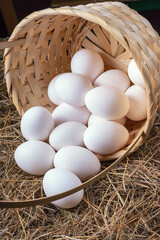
(45, 200)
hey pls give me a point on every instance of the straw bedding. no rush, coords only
(124, 204)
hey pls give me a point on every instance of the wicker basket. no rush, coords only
(42, 45)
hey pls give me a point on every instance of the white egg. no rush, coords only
(66, 134)
(105, 137)
(37, 123)
(113, 78)
(52, 93)
(135, 75)
(66, 113)
(34, 157)
(71, 88)
(121, 121)
(57, 181)
(94, 119)
(87, 63)
(78, 160)
(138, 103)
(107, 102)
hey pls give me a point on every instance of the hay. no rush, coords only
(122, 205)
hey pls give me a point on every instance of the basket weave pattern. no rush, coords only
(43, 44)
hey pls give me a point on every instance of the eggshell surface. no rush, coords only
(135, 75)
(34, 157)
(78, 160)
(65, 113)
(57, 181)
(37, 123)
(71, 88)
(87, 63)
(94, 119)
(107, 102)
(113, 78)
(66, 134)
(138, 103)
(105, 137)
(52, 92)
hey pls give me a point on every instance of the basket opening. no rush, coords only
(48, 52)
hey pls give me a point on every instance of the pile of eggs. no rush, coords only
(90, 118)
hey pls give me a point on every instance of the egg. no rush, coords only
(135, 75)
(57, 181)
(67, 133)
(71, 88)
(78, 160)
(52, 92)
(107, 102)
(34, 157)
(113, 78)
(105, 137)
(37, 123)
(65, 112)
(138, 103)
(87, 63)
(94, 119)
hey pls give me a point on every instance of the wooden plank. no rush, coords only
(9, 14)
